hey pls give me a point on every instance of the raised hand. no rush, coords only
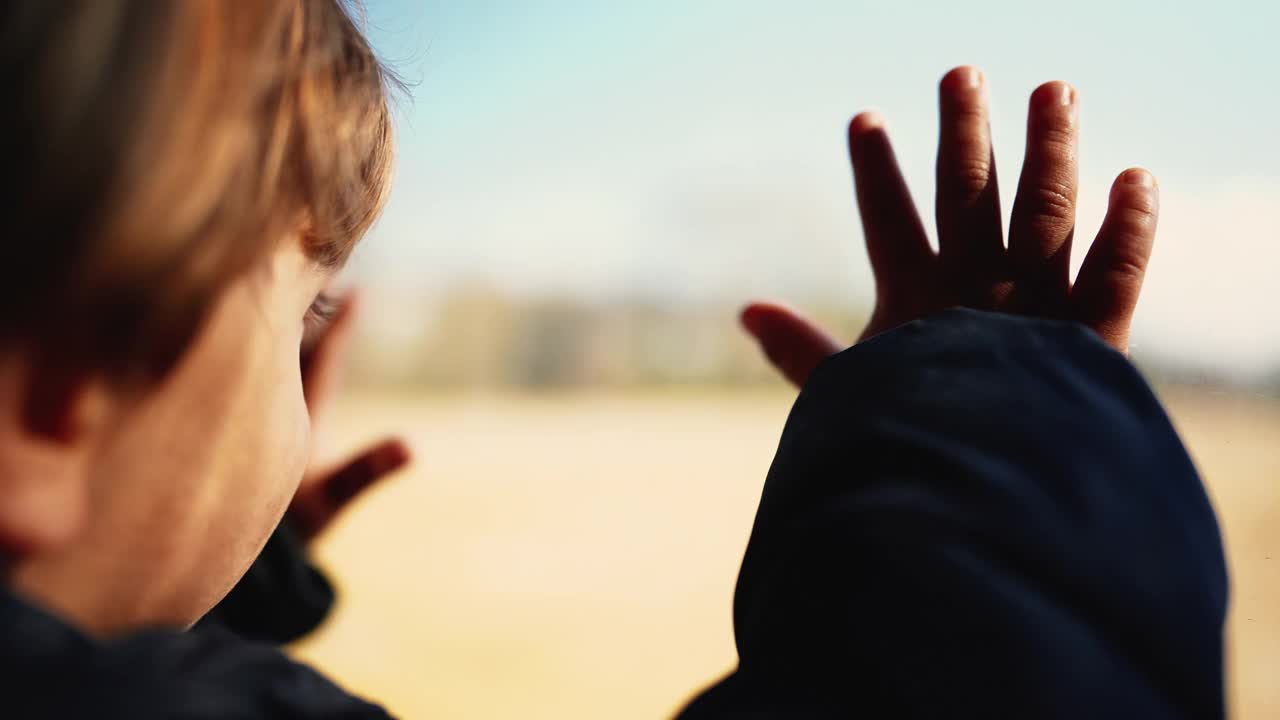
(325, 491)
(973, 267)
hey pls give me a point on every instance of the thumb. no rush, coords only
(793, 344)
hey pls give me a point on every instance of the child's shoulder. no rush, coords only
(51, 670)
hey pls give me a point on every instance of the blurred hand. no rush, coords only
(326, 490)
(973, 267)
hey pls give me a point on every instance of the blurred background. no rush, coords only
(587, 192)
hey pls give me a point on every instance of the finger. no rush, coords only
(793, 344)
(896, 242)
(322, 359)
(367, 468)
(1110, 280)
(334, 492)
(1044, 212)
(970, 236)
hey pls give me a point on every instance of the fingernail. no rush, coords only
(865, 121)
(1137, 176)
(1054, 93)
(964, 77)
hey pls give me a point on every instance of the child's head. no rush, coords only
(184, 177)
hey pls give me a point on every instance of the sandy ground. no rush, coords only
(574, 556)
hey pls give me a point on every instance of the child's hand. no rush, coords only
(973, 267)
(325, 491)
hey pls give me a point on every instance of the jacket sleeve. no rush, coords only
(280, 599)
(978, 516)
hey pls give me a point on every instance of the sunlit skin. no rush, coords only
(183, 482)
(974, 266)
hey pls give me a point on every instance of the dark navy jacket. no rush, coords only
(979, 516)
(972, 516)
(225, 668)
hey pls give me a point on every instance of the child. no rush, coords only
(185, 179)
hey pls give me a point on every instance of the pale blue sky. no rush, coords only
(695, 149)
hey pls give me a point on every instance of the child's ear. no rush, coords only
(62, 404)
(50, 420)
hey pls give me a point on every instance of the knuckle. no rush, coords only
(1130, 267)
(1138, 219)
(1128, 252)
(1054, 199)
(1137, 208)
(972, 177)
(1127, 259)
(1127, 265)
(976, 172)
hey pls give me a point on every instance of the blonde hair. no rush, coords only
(157, 150)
